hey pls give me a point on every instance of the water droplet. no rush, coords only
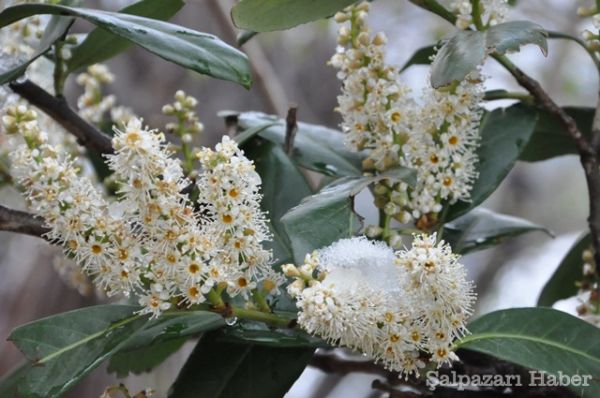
(231, 320)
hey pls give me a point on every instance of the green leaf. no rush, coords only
(269, 15)
(328, 216)
(316, 147)
(461, 55)
(540, 338)
(101, 45)
(550, 139)
(13, 68)
(510, 36)
(173, 325)
(504, 135)
(160, 338)
(481, 228)
(421, 57)
(221, 369)
(562, 283)
(283, 187)
(466, 50)
(260, 334)
(144, 359)
(66, 347)
(197, 51)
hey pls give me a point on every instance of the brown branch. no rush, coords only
(21, 222)
(58, 109)
(588, 149)
(291, 127)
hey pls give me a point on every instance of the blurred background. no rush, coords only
(291, 67)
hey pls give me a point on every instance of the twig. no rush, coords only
(332, 363)
(87, 135)
(21, 222)
(291, 127)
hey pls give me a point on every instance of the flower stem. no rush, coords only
(268, 318)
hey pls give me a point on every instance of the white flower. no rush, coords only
(437, 136)
(390, 306)
(151, 242)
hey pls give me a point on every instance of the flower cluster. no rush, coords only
(151, 241)
(373, 103)
(398, 308)
(230, 191)
(588, 296)
(188, 124)
(92, 103)
(437, 135)
(491, 12)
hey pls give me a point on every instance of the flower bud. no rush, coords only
(290, 270)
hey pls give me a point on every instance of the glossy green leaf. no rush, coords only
(173, 325)
(328, 215)
(160, 338)
(269, 15)
(550, 139)
(101, 45)
(540, 338)
(459, 56)
(466, 50)
(283, 187)
(143, 359)
(222, 369)
(316, 147)
(260, 334)
(510, 36)
(562, 283)
(504, 135)
(481, 228)
(64, 348)
(421, 57)
(197, 51)
(11, 68)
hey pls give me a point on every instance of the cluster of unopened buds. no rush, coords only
(589, 290)
(491, 12)
(591, 38)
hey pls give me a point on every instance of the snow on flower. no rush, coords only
(389, 306)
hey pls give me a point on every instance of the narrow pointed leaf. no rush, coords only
(482, 228)
(197, 51)
(101, 45)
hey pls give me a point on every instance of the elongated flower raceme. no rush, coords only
(492, 12)
(152, 242)
(436, 134)
(399, 308)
